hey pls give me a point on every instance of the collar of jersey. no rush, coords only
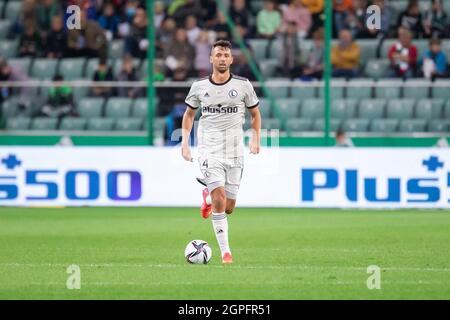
(220, 84)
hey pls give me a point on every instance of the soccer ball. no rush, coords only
(198, 252)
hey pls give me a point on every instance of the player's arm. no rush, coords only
(188, 122)
(255, 142)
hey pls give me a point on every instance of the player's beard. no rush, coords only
(222, 69)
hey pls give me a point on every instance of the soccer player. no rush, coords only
(223, 99)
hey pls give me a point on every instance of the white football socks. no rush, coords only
(208, 199)
(220, 226)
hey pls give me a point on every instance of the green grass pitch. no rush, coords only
(137, 253)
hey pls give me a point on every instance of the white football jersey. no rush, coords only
(220, 131)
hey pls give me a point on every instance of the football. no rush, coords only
(198, 252)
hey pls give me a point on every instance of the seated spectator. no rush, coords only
(296, 12)
(403, 55)
(164, 36)
(268, 20)
(103, 73)
(56, 44)
(290, 55)
(356, 19)
(27, 16)
(315, 7)
(90, 41)
(26, 94)
(436, 22)
(345, 56)
(128, 73)
(46, 10)
(411, 19)
(342, 9)
(434, 63)
(342, 140)
(202, 52)
(30, 43)
(59, 101)
(221, 27)
(160, 14)
(313, 67)
(180, 53)
(192, 29)
(241, 66)
(109, 20)
(209, 12)
(240, 16)
(136, 44)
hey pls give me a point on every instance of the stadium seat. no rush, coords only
(117, 65)
(289, 108)
(299, 125)
(259, 47)
(368, 50)
(159, 124)
(268, 67)
(118, 107)
(44, 69)
(356, 125)
(377, 68)
(343, 108)
(275, 49)
(319, 124)
(439, 126)
(130, 124)
(265, 108)
(312, 109)
(277, 88)
(360, 89)
(72, 68)
(116, 49)
(386, 46)
(80, 92)
(91, 107)
(447, 110)
(304, 90)
(422, 46)
(388, 89)
(400, 108)
(44, 124)
(371, 108)
(10, 108)
(100, 124)
(18, 124)
(21, 63)
(440, 89)
(429, 108)
(8, 48)
(336, 90)
(271, 124)
(4, 27)
(416, 89)
(73, 124)
(384, 125)
(92, 65)
(413, 125)
(140, 107)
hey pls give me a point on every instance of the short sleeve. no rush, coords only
(192, 100)
(251, 100)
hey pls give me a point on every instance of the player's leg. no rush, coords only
(220, 222)
(231, 203)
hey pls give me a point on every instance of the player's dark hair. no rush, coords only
(222, 43)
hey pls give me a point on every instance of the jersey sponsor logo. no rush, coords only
(233, 93)
(219, 109)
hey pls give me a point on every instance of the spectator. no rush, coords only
(8, 73)
(136, 44)
(90, 41)
(356, 19)
(313, 68)
(128, 73)
(411, 19)
(180, 53)
(160, 14)
(56, 44)
(221, 27)
(240, 16)
(342, 140)
(164, 36)
(242, 68)
(403, 55)
(315, 7)
(103, 73)
(268, 20)
(202, 64)
(179, 10)
(46, 10)
(174, 120)
(345, 56)
(30, 44)
(27, 17)
(435, 61)
(341, 11)
(192, 29)
(435, 23)
(59, 101)
(290, 56)
(109, 21)
(209, 11)
(299, 15)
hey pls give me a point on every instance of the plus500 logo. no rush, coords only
(425, 188)
(46, 179)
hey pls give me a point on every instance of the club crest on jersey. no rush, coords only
(232, 93)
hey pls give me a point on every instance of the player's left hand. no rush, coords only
(254, 147)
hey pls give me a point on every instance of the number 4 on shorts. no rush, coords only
(205, 164)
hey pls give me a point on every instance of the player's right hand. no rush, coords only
(186, 153)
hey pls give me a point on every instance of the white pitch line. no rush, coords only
(263, 267)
